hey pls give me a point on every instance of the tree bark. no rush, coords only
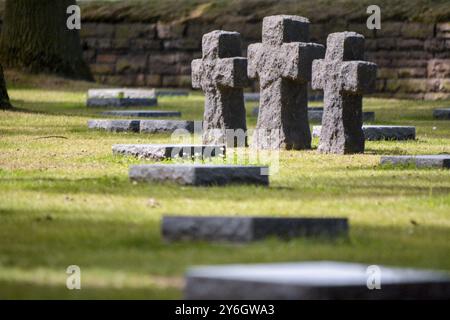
(4, 98)
(35, 38)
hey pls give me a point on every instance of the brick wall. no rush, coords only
(413, 58)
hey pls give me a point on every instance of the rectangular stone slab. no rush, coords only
(168, 151)
(115, 125)
(421, 161)
(143, 126)
(121, 97)
(245, 229)
(199, 174)
(171, 93)
(316, 115)
(157, 126)
(143, 113)
(373, 133)
(312, 280)
(442, 114)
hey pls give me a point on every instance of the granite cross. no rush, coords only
(343, 82)
(283, 64)
(222, 74)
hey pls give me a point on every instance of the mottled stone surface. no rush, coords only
(245, 229)
(282, 62)
(343, 81)
(143, 113)
(115, 125)
(121, 97)
(168, 151)
(143, 126)
(420, 161)
(199, 174)
(155, 126)
(312, 280)
(442, 114)
(222, 74)
(373, 133)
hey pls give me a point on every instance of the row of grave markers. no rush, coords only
(284, 63)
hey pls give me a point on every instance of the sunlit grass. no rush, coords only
(65, 199)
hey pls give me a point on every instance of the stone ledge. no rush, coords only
(143, 113)
(200, 175)
(420, 161)
(164, 151)
(374, 133)
(324, 280)
(245, 229)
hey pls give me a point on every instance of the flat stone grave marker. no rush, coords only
(161, 126)
(246, 229)
(322, 280)
(375, 132)
(143, 126)
(251, 96)
(121, 98)
(200, 174)
(442, 114)
(316, 113)
(168, 151)
(143, 113)
(115, 125)
(420, 161)
(171, 93)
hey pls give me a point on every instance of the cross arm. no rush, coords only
(319, 72)
(231, 72)
(196, 73)
(298, 58)
(255, 58)
(358, 76)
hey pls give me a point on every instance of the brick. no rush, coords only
(135, 30)
(170, 30)
(439, 68)
(417, 30)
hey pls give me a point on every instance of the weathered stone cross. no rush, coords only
(222, 75)
(343, 82)
(283, 63)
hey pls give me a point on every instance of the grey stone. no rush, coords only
(251, 96)
(143, 113)
(317, 115)
(373, 133)
(420, 161)
(171, 93)
(442, 114)
(156, 126)
(283, 64)
(343, 82)
(245, 229)
(324, 280)
(222, 75)
(200, 174)
(168, 151)
(121, 97)
(115, 125)
(143, 126)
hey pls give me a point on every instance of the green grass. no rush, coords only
(66, 200)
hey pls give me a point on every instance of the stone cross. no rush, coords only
(283, 64)
(222, 74)
(344, 82)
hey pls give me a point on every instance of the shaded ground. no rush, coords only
(66, 200)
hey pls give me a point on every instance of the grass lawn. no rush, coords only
(65, 200)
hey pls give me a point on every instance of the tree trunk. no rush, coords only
(4, 98)
(35, 38)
